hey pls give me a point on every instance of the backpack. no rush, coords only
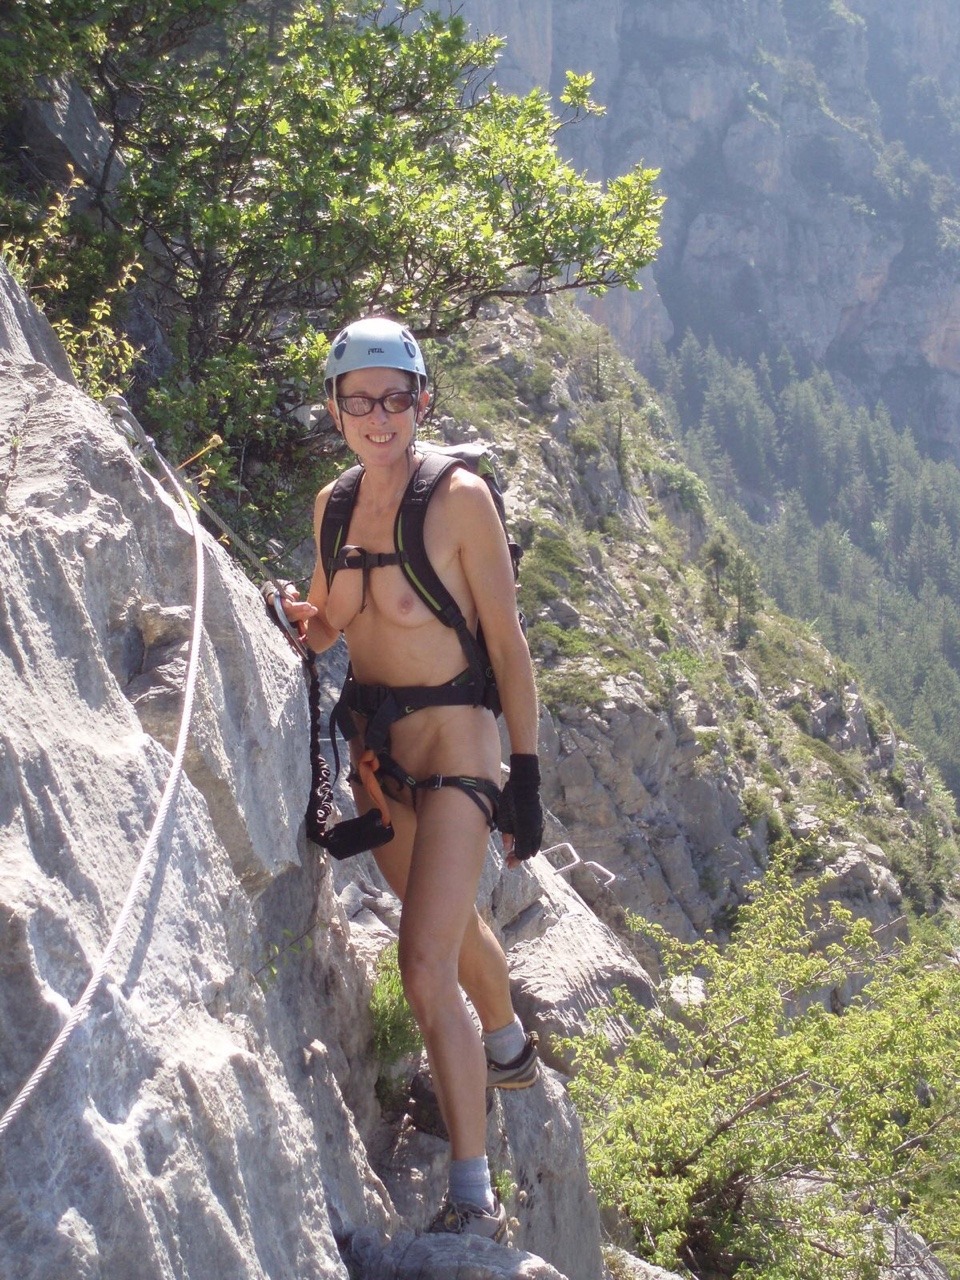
(435, 462)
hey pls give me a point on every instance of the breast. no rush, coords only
(391, 601)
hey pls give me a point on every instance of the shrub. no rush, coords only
(758, 1134)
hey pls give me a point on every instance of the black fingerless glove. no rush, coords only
(520, 812)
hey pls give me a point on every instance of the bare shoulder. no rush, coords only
(320, 504)
(463, 496)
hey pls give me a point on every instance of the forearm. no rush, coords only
(518, 696)
(520, 812)
(320, 636)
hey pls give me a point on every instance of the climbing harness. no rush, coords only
(382, 706)
(119, 409)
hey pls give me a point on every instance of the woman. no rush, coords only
(377, 388)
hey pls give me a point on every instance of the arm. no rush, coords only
(310, 614)
(488, 570)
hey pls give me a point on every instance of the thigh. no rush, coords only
(449, 848)
(393, 858)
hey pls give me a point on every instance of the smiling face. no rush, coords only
(378, 433)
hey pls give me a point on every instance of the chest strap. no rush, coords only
(357, 558)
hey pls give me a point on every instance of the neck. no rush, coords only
(384, 486)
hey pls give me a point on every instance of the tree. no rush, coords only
(280, 181)
(352, 162)
(716, 557)
(750, 1130)
(97, 40)
(745, 584)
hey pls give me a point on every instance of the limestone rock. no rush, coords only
(626, 1267)
(63, 134)
(535, 1145)
(561, 978)
(215, 1111)
(415, 1257)
(178, 1122)
(25, 334)
(777, 228)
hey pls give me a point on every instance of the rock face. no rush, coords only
(774, 126)
(214, 1114)
(26, 335)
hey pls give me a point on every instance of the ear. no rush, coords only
(423, 404)
(334, 411)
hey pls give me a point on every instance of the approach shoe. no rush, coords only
(467, 1220)
(521, 1073)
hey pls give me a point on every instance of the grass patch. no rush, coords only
(395, 1032)
(846, 771)
(552, 566)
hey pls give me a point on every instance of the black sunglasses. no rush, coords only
(392, 402)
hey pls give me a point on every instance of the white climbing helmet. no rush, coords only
(374, 343)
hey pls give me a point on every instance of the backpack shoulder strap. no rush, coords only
(408, 537)
(336, 518)
(420, 573)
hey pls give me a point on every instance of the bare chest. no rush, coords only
(380, 592)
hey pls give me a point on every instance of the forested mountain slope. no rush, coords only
(803, 314)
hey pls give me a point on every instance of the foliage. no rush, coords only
(756, 1133)
(745, 585)
(572, 684)
(355, 161)
(680, 664)
(282, 177)
(278, 953)
(716, 558)
(552, 567)
(395, 1032)
(93, 39)
(89, 328)
(676, 479)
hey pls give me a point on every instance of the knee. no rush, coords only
(428, 982)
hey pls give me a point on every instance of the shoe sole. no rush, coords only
(525, 1082)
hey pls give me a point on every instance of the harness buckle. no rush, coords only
(353, 558)
(434, 783)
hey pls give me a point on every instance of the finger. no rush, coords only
(299, 610)
(508, 842)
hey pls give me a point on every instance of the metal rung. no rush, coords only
(603, 874)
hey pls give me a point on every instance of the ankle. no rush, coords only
(470, 1183)
(505, 1043)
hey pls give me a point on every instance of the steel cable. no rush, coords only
(119, 409)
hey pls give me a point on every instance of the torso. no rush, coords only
(396, 641)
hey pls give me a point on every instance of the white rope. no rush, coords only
(119, 408)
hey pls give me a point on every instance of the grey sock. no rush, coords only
(506, 1043)
(470, 1183)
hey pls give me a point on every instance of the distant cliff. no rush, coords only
(809, 153)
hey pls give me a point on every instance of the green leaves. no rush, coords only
(356, 158)
(376, 148)
(744, 1129)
